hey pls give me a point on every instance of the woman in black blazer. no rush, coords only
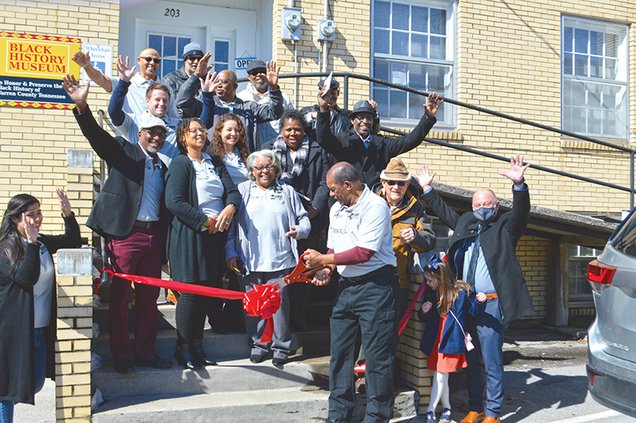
(27, 298)
(202, 197)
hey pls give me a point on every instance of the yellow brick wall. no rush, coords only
(33, 143)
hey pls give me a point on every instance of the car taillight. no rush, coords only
(600, 275)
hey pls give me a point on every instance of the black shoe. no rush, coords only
(179, 350)
(335, 420)
(124, 367)
(156, 362)
(257, 358)
(198, 357)
(279, 362)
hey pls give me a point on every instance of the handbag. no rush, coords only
(468, 340)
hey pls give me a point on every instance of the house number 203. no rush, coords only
(173, 13)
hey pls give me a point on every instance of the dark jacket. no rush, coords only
(250, 112)
(187, 243)
(312, 182)
(498, 241)
(452, 341)
(348, 147)
(174, 80)
(339, 122)
(115, 209)
(17, 378)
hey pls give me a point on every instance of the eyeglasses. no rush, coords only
(398, 183)
(260, 168)
(257, 72)
(361, 117)
(195, 130)
(193, 58)
(151, 59)
(160, 133)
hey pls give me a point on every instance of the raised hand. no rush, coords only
(517, 170)
(30, 229)
(82, 59)
(124, 70)
(323, 103)
(76, 92)
(202, 68)
(432, 104)
(209, 84)
(272, 75)
(425, 176)
(65, 204)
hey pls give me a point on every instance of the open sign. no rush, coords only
(243, 62)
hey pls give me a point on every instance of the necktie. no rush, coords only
(472, 266)
(366, 143)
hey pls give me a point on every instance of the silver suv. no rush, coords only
(611, 339)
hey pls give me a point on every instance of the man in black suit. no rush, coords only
(129, 213)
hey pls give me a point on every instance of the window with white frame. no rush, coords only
(594, 99)
(579, 257)
(413, 45)
(170, 48)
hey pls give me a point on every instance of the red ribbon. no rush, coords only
(262, 301)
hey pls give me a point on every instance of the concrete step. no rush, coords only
(288, 405)
(228, 376)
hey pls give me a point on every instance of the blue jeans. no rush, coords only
(6, 407)
(486, 360)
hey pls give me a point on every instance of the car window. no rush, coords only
(624, 239)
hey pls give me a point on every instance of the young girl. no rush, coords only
(444, 337)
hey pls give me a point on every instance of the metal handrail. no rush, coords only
(631, 152)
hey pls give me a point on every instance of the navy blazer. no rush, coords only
(117, 205)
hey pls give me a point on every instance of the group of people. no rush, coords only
(196, 183)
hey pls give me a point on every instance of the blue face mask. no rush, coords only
(485, 214)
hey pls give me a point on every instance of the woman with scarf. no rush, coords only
(304, 166)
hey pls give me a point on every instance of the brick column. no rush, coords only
(74, 332)
(410, 360)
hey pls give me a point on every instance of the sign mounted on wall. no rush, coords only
(241, 63)
(32, 68)
(101, 58)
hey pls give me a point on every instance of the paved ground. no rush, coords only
(545, 381)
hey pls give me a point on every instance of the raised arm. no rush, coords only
(447, 215)
(84, 61)
(116, 103)
(71, 237)
(324, 136)
(520, 196)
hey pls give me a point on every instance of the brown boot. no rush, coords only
(472, 417)
(490, 419)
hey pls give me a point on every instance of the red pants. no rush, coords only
(139, 254)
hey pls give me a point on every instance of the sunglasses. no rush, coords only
(194, 58)
(156, 133)
(398, 183)
(151, 59)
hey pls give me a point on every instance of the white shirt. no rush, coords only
(235, 167)
(366, 224)
(151, 194)
(209, 187)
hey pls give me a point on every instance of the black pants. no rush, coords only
(370, 305)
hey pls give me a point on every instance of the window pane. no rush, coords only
(438, 21)
(578, 93)
(567, 63)
(596, 43)
(417, 76)
(381, 69)
(397, 104)
(399, 73)
(218, 67)
(594, 121)
(381, 14)
(610, 124)
(596, 67)
(400, 16)
(594, 95)
(566, 116)
(221, 52)
(611, 68)
(580, 40)
(154, 41)
(418, 46)
(578, 119)
(436, 79)
(381, 41)
(419, 19)
(168, 66)
(580, 65)
(400, 43)
(438, 48)
(416, 105)
(568, 38)
(611, 45)
(609, 96)
(169, 46)
(381, 96)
